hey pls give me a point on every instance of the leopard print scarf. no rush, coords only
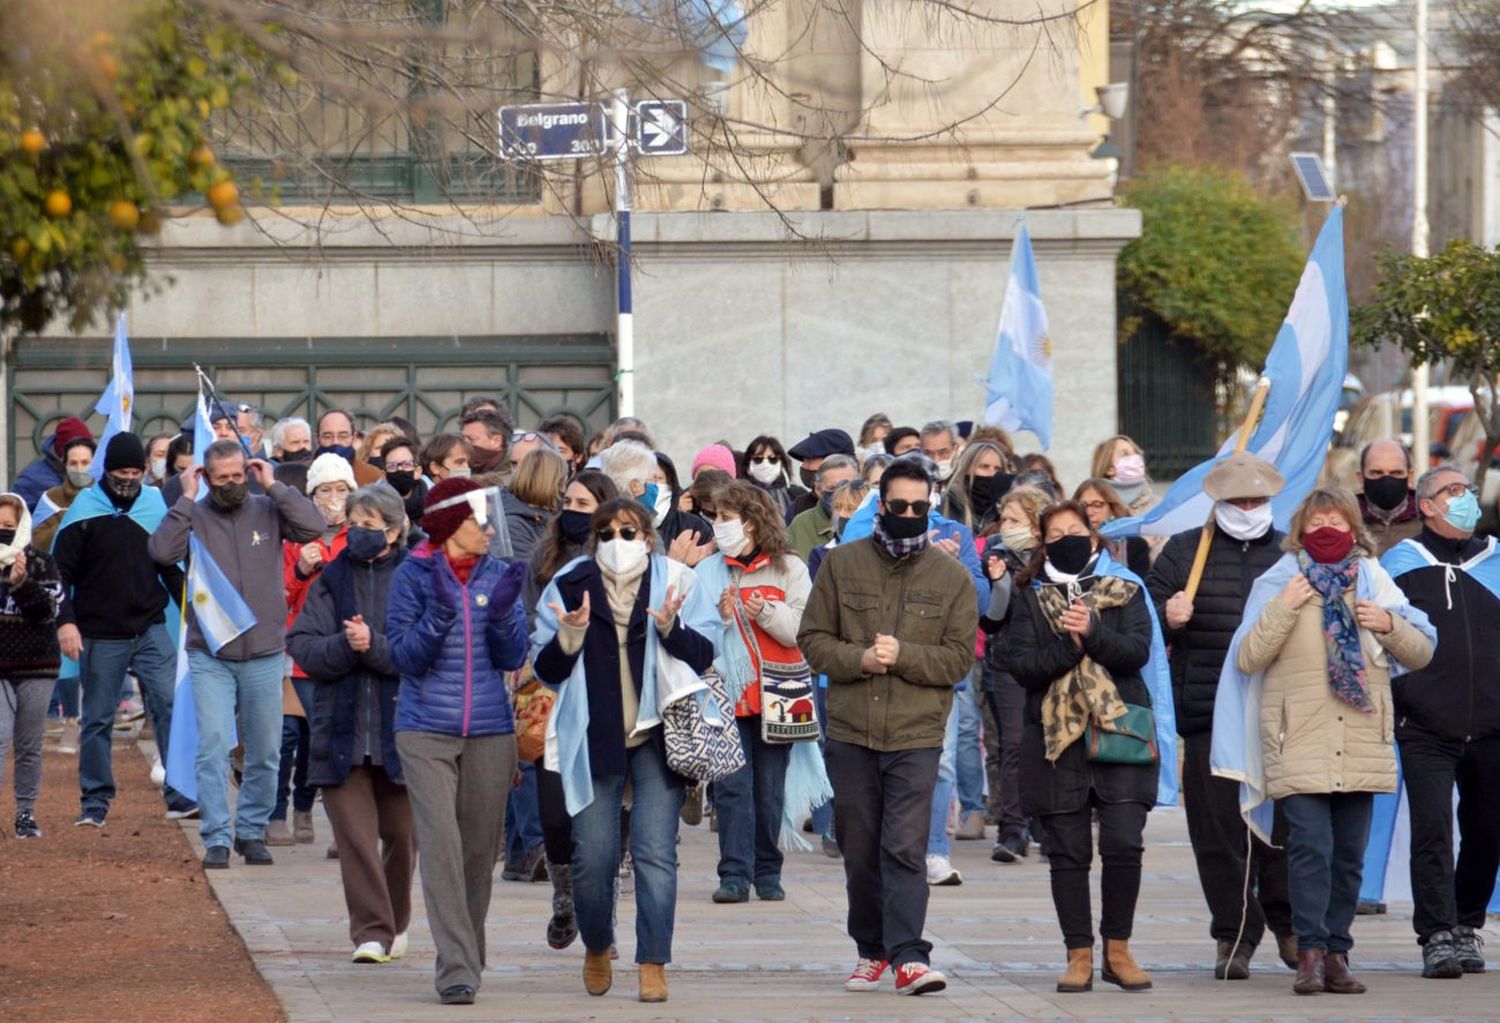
(1087, 691)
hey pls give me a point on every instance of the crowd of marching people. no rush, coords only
(548, 651)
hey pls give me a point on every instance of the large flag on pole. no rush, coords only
(118, 399)
(1018, 392)
(1306, 368)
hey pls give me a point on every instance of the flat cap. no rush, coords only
(822, 444)
(1240, 476)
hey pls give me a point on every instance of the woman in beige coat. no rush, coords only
(1326, 727)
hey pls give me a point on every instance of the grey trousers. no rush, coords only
(23, 724)
(457, 787)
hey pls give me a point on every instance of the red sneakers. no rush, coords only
(918, 979)
(866, 975)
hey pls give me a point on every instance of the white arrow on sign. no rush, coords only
(659, 128)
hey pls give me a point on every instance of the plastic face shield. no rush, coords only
(488, 508)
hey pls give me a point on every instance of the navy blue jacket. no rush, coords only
(453, 660)
(353, 715)
(40, 476)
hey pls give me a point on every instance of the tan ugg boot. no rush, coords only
(598, 974)
(1120, 967)
(653, 982)
(1080, 972)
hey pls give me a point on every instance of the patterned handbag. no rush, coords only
(532, 703)
(696, 748)
(787, 710)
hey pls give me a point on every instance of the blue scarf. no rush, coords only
(1346, 664)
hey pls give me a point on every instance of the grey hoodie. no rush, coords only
(246, 544)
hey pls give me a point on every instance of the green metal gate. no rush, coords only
(1166, 399)
(424, 379)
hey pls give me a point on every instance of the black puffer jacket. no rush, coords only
(1199, 647)
(1120, 642)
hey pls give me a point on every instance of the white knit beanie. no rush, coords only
(329, 468)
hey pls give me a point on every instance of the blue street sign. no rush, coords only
(661, 127)
(554, 131)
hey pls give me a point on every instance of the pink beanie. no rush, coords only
(715, 456)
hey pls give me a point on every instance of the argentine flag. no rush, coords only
(220, 611)
(1306, 369)
(118, 398)
(1019, 388)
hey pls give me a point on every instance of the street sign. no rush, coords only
(661, 127)
(554, 131)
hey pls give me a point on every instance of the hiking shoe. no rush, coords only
(302, 827)
(770, 891)
(940, 872)
(1440, 958)
(27, 827)
(918, 979)
(279, 833)
(1010, 849)
(182, 809)
(91, 819)
(216, 857)
(1469, 944)
(254, 851)
(731, 892)
(370, 952)
(866, 975)
(1233, 962)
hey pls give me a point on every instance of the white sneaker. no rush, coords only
(158, 772)
(941, 873)
(371, 952)
(398, 945)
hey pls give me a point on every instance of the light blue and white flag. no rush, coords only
(1018, 392)
(221, 613)
(1306, 369)
(118, 400)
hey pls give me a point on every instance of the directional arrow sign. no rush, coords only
(661, 127)
(554, 131)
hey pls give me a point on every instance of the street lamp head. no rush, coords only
(1113, 99)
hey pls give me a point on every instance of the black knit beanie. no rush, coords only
(124, 451)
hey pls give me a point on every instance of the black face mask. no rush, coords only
(984, 491)
(1070, 554)
(402, 481)
(1387, 493)
(809, 478)
(344, 451)
(305, 455)
(574, 525)
(122, 493)
(7, 537)
(903, 527)
(229, 496)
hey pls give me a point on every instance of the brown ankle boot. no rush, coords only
(1120, 967)
(1080, 972)
(653, 982)
(1336, 976)
(1310, 977)
(598, 975)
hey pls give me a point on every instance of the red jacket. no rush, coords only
(296, 585)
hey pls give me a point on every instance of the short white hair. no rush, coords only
(627, 462)
(278, 434)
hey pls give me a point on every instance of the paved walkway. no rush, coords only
(996, 937)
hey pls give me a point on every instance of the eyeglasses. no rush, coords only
(626, 533)
(919, 509)
(400, 466)
(1095, 506)
(761, 459)
(1455, 490)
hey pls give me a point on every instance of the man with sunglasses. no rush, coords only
(1447, 723)
(891, 622)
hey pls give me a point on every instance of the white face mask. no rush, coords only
(1242, 524)
(945, 468)
(159, 468)
(765, 473)
(460, 474)
(621, 557)
(663, 501)
(729, 534)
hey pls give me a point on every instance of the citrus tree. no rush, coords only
(104, 111)
(1444, 308)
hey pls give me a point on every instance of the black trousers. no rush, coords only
(882, 810)
(1445, 896)
(1220, 846)
(1007, 702)
(557, 826)
(1070, 851)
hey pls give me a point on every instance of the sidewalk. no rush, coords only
(995, 936)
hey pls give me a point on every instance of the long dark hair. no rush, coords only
(772, 445)
(551, 552)
(1036, 568)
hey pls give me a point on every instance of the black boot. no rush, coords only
(562, 929)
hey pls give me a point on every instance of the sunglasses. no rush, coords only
(919, 509)
(760, 459)
(626, 533)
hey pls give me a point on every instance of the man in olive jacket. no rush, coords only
(891, 622)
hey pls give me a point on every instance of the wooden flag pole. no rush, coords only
(1200, 560)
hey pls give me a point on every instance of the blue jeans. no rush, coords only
(750, 803)
(1325, 853)
(291, 775)
(653, 847)
(103, 665)
(822, 816)
(970, 759)
(219, 688)
(942, 794)
(523, 816)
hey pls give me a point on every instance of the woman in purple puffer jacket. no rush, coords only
(456, 626)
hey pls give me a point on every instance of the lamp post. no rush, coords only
(1420, 229)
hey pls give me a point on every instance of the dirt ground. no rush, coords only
(118, 924)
